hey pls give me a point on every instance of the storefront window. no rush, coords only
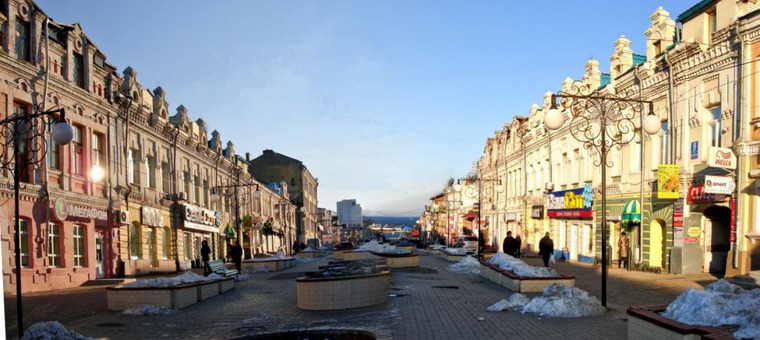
(24, 232)
(54, 245)
(188, 247)
(167, 243)
(134, 240)
(79, 246)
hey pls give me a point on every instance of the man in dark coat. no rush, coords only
(546, 248)
(518, 245)
(509, 244)
(236, 252)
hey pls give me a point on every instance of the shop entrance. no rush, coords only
(99, 268)
(656, 243)
(717, 230)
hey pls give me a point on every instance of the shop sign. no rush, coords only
(151, 216)
(537, 211)
(697, 194)
(62, 210)
(667, 181)
(732, 233)
(690, 239)
(574, 203)
(721, 158)
(694, 149)
(719, 185)
(510, 217)
(678, 223)
(694, 231)
(202, 219)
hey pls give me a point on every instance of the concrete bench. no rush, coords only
(217, 266)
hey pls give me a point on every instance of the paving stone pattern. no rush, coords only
(430, 302)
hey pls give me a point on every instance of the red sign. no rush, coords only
(690, 239)
(732, 234)
(678, 213)
(570, 213)
(697, 194)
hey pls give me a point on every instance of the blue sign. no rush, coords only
(695, 149)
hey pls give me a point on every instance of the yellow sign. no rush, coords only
(667, 181)
(694, 231)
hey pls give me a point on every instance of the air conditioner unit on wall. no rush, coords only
(121, 217)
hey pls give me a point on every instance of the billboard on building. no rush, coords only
(667, 181)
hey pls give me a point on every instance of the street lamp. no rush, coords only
(601, 120)
(305, 214)
(256, 195)
(24, 146)
(473, 192)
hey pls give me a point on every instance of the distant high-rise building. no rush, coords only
(349, 213)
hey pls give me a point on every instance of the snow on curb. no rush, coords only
(557, 301)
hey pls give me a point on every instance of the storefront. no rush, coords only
(198, 225)
(710, 226)
(573, 230)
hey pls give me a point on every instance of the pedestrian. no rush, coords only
(295, 247)
(546, 249)
(518, 244)
(623, 250)
(509, 244)
(237, 254)
(205, 253)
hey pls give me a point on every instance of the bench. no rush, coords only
(218, 266)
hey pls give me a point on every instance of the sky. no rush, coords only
(383, 101)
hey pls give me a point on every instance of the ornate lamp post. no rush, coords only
(24, 146)
(256, 194)
(601, 120)
(478, 192)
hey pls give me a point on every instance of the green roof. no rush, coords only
(694, 10)
(639, 59)
(605, 80)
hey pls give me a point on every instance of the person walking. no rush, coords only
(623, 250)
(546, 248)
(236, 251)
(509, 244)
(518, 245)
(205, 253)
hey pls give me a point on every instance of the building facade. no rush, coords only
(349, 212)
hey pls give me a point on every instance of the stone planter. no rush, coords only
(346, 292)
(358, 255)
(340, 254)
(400, 260)
(521, 284)
(452, 257)
(226, 285)
(273, 265)
(409, 248)
(647, 323)
(307, 254)
(178, 297)
(207, 290)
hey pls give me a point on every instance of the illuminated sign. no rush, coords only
(62, 211)
(202, 219)
(574, 203)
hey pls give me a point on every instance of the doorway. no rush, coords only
(717, 234)
(99, 254)
(656, 243)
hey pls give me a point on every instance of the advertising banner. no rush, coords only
(678, 223)
(537, 212)
(574, 203)
(721, 158)
(719, 185)
(697, 194)
(667, 181)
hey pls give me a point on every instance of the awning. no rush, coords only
(631, 213)
(470, 216)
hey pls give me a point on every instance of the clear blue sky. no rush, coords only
(382, 100)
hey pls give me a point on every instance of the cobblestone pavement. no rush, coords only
(428, 302)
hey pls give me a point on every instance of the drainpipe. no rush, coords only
(671, 146)
(737, 129)
(641, 168)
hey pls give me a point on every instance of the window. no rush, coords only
(78, 70)
(167, 243)
(150, 164)
(715, 126)
(165, 181)
(77, 150)
(186, 175)
(657, 45)
(712, 24)
(134, 240)
(97, 149)
(188, 247)
(575, 167)
(99, 60)
(134, 171)
(197, 187)
(22, 40)
(79, 246)
(23, 229)
(54, 245)
(130, 167)
(205, 193)
(53, 150)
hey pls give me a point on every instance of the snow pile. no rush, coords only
(467, 265)
(50, 330)
(455, 251)
(557, 301)
(187, 277)
(149, 310)
(521, 268)
(278, 256)
(436, 246)
(307, 249)
(299, 259)
(721, 303)
(255, 269)
(374, 246)
(243, 277)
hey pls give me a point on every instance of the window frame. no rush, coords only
(77, 150)
(134, 240)
(54, 256)
(25, 245)
(78, 236)
(23, 40)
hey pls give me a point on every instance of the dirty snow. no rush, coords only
(255, 269)
(455, 251)
(278, 256)
(243, 277)
(299, 259)
(374, 246)
(186, 277)
(467, 265)
(50, 330)
(557, 301)
(720, 303)
(149, 310)
(519, 267)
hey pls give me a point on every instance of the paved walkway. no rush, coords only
(430, 302)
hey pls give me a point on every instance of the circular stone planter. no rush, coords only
(331, 334)
(347, 291)
(400, 260)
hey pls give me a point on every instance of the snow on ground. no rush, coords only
(278, 256)
(377, 247)
(557, 301)
(521, 268)
(456, 251)
(720, 303)
(299, 260)
(50, 330)
(243, 277)
(149, 310)
(186, 277)
(436, 246)
(467, 265)
(307, 249)
(255, 269)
